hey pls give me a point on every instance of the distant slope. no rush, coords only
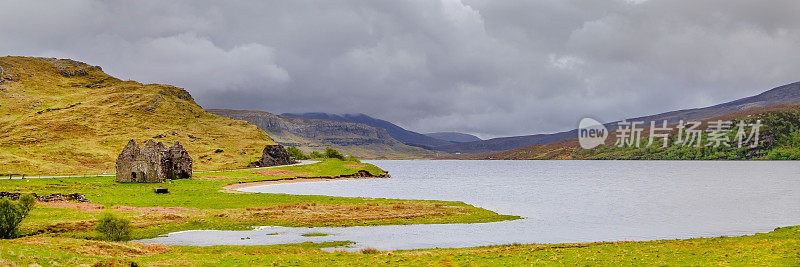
(454, 137)
(789, 93)
(570, 149)
(397, 132)
(67, 117)
(351, 138)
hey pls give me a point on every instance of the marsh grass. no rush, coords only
(314, 234)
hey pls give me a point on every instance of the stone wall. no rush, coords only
(180, 163)
(153, 163)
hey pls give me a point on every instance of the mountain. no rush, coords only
(789, 93)
(454, 137)
(351, 138)
(777, 140)
(506, 143)
(397, 132)
(66, 117)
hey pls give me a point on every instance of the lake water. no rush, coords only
(561, 201)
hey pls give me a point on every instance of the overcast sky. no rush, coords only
(487, 67)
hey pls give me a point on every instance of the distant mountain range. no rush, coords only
(365, 135)
(775, 130)
(351, 138)
(789, 93)
(454, 137)
(397, 132)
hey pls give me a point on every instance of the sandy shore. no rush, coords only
(237, 187)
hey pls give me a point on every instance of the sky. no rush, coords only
(486, 67)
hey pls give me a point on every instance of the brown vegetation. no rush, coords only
(324, 213)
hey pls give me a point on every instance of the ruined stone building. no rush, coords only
(153, 163)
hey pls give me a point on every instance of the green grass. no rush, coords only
(199, 203)
(779, 248)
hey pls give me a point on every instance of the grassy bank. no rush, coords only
(201, 203)
(780, 247)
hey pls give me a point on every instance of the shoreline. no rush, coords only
(238, 187)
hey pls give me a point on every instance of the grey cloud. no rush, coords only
(480, 66)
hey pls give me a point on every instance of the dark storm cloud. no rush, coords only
(479, 66)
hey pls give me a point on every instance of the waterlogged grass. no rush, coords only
(780, 247)
(201, 203)
(315, 234)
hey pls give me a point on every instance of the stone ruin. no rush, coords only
(274, 155)
(153, 163)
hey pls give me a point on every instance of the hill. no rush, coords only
(789, 93)
(454, 137)
(66, 117)
(779, 140)
(351, 138)
(405, 136)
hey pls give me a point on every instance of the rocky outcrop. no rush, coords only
(71, 68)
(153, 163)
(274, 155)
(358, 174)
(6, 77)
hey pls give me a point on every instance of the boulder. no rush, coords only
(274, 155)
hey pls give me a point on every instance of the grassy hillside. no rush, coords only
(780, 137)
(66, 117)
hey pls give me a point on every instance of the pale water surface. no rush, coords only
(561, 201)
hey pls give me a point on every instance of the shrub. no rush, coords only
(333, 154)
(353, 158)
(296, 153)
(12, 213)
(784, 154)
(370, 251)
(317, 155)
(113, 228)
